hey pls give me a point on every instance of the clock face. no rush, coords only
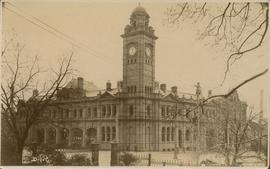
(132, 51)
(148, 51)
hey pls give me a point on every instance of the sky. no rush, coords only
(181, 59)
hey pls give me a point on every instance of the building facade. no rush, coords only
(139, 114)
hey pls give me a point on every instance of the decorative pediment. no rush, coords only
(170, 97)
(106, 94)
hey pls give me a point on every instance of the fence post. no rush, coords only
(95, 154)
(114, 154)
(149, 159)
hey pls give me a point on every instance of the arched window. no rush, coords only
(103, 111)
(131, 110)
(109, 110)
(194, 135)
(163, 134)
(103, 133)
(75, 113)
(95, 111)
(114, 111)
(180, 138)
(81, 113)
(89, 112)
(108, 133)
(168, 133)
(148, 110)
(162, 111)
(113, 133)
(187, 135)
(173, 131)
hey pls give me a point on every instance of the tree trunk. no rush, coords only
(234, 161)
(19, 153)
(227, 160)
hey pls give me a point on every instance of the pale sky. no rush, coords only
(181, 59)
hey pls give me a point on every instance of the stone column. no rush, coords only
(84, 138)
(184, 138)
(58, 135)
(45, 136)
(111, 106)
(114, 154)
(117, 131)
(69, 137)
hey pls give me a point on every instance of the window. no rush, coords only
(173, 130)
(113, 133)
(187, 135)
(54, 114)
(114, 111)
(108, 133)
(194, 135)
(168, 110)
(89, 112)
(109, 110)
(81, 113)
(163, 134)
(168, 133)
(131, 110)
(148, 110)
(103, 111)
(75, 113)
(67, 113)
(103, 133)
(95, 112)
(162, 111)
(60, 113)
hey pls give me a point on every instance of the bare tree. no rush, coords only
(239, 27)
(21, 75)
(233, 136)
(232, 125)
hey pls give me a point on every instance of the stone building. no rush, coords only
(138, 113)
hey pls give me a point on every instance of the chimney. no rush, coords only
(209, 93)
(80, 83)
(174, 90)
(35, 93)
(108, 86)
(163, 87)
(119, 85)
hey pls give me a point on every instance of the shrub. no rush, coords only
(127, 159)
(79, 160)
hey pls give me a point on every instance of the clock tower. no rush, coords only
(139, 54)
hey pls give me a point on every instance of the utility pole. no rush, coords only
(260, 122)
(197, 122)
(176, 151)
